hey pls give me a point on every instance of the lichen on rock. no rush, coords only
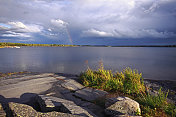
(122, 106)
(22, 110)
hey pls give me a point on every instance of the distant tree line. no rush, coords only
(3, 44)
(24, 44)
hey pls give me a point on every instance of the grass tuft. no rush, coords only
(130, 82)
(158, 101)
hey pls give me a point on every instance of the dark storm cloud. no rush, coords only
(59, 19)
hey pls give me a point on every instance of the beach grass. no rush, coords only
(130, 82)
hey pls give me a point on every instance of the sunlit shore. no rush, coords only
(156, 98)
(10, 47)
(18, 45)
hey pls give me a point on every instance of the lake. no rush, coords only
(153, 62)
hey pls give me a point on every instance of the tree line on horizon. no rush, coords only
(24, 44)
(3, 44)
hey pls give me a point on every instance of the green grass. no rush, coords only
(158, 101)
(170, 109)
(156, 105)
(130, 82)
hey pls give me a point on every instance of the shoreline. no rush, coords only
(151, 84)
(12, 45)
(169, 84)
(68, 87)
(170, 46)
(28, 72)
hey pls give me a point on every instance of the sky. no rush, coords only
(89, 22)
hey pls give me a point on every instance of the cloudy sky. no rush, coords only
(97, 22)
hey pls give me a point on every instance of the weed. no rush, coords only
(158, 101)
(133, 82)
(129, 82)
(157, 105)
(149, 112)
(170, 109)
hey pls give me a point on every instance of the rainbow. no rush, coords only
(69, 36)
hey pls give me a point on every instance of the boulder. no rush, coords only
(49, 103)
(22, 110)
(86, 105)
(90, 94)
(71, 97)
(72, 85)
(122, 106)
(2, 112)
(110, 101)
(97, 110)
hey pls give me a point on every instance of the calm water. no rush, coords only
(154, 63)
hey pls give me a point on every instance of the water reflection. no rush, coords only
(156, 63)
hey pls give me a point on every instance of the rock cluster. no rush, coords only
(90, 94)
(67, 98)
(22, 110)
(48, 103)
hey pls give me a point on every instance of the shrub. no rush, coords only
(101, 79)
(149, 112)
(151, 103)
(170, 109)
(128, 81)
(132, 81)
(158, 101)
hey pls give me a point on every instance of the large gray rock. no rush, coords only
(22, 110)
(97, 110)
(2, 112)
(90, 94)
(71, 97)
(86, 105)
(16, 88)
(72, 85)
(122, 106)
(48, 103)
